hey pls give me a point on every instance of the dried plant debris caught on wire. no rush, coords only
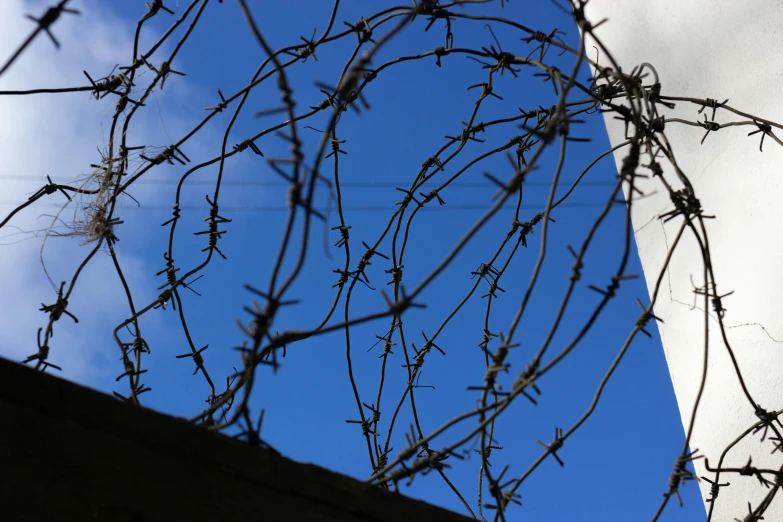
(633, 93)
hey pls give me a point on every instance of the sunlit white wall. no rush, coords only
(715, 49)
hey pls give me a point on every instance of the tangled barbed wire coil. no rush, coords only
(530, 134)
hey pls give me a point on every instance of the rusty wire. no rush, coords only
(554, 127)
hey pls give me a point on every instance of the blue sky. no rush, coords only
(616, 466)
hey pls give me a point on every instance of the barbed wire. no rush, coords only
(553, 127)
(45, 23)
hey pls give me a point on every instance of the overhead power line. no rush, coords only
(357, 184)
(280, 208)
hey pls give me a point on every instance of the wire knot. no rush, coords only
(555, 445)
(344, 235)
(396, 274)
(248, 144)
(57, 309)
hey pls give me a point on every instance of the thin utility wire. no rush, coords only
(281, 208)
(357, 184)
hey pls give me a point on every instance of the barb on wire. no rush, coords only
(45, 23)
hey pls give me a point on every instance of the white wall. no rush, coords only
(715, 49)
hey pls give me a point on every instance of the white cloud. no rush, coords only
(57, 135)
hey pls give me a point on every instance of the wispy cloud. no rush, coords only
(58, 135)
